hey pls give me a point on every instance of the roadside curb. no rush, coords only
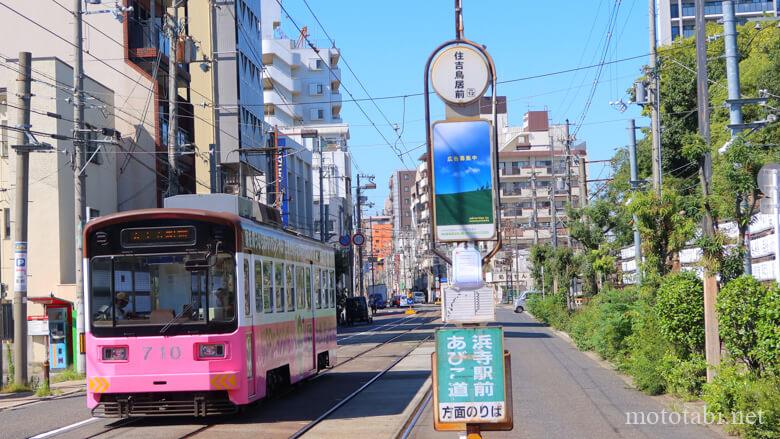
(668, 401)
(416, 404)
(32, 399)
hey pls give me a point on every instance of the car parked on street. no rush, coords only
(419, 297)
(521, 299)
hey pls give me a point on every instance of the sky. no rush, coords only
(387, 44)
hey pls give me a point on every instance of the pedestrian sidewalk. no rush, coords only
(11, 400)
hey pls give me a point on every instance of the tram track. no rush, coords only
(87, 429)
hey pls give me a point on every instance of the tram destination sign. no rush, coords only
(469, 379)
(157, 236)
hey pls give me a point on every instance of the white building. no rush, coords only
(303, 102)
(677, 17)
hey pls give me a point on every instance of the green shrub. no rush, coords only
(680, 309)
(684, 378)
(582, 327)
(734, 394)
(551, 310)
(646, 349)
(768, 329)
(739, 306)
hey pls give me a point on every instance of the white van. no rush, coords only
(520, 300)
(419, 297)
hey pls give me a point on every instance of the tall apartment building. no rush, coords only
(229, 98)
(333, 161)
(427, 266)
(401, 267)
(303, 103)
(676, 17)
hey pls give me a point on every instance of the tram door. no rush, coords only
(247, 281)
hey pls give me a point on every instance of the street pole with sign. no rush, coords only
(470, 367)
(769, 182)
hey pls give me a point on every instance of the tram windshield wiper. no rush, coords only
(187, 308)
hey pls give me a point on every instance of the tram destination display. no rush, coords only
(157, 236)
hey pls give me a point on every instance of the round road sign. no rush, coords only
(460, 74)
(358, 239)
(345, 240)
(766, 177)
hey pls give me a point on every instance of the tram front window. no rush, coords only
(158, 289)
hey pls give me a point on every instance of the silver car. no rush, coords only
(520, 301)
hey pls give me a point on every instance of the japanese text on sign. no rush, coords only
(470, 375)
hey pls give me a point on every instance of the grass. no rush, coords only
(475, 207)
(43, 390)
(16, 388)
(68, 374)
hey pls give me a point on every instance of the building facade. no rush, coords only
(379, 247)
(401, 266)
(677, 17)
(302, 102)
(51, 211)
(230, 114)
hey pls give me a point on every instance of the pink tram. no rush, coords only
(198, 311)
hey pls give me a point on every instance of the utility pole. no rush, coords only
(552, 188)
(535, 214)
(583, 171)
(735, 109)
(634, 186)
(322, 196)
(79, 181)
(173, 92)
(655, 118)
(24, 95)
(568, 175)
(711, 337)
(360, 247)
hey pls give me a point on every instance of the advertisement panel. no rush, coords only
(282, 196)
(463, 192)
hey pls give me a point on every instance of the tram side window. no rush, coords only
(100, 283)
(300, 287)
(317, 288)
(268, 297)
(247, 296)
(290, 287)
(332, 290)
(308, 288)
(279, 286)
(326, 288)
(258, 286)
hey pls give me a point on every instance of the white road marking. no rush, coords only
(64, 429)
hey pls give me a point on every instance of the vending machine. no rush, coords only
(58, 337)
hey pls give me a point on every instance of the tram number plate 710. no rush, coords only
(165, 353)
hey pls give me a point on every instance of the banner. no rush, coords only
(463, 192)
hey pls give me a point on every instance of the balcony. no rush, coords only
(278, 76)
(273, 98)
(278, 48)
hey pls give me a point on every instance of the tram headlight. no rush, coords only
(115, 353)
(211, 350)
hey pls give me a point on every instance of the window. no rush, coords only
(332, 289)
(308, 288)
(300, 287)
(316, 64)
(268, 295)
(258, 286)
(406, 176)
(247, 296)
(4, 139)
(317, 114)
(318, 287)
(92, 151)
(406, 189)
(7, 223)
(279, 286)
(316, 89)
(290, 277)
(674, 10)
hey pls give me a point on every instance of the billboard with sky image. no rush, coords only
(462, 165)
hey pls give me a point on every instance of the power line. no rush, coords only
(327, 64)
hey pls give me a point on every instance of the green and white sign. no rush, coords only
(469, 378)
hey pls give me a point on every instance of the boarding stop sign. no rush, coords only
(469, 381)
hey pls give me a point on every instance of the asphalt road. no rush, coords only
(559, 392)
(277, 418)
